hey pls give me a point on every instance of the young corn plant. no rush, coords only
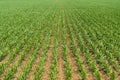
(84, 50)
(65, 54)
(39, 72)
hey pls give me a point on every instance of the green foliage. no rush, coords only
(92, 27)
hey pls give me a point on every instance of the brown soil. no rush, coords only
(60, 64)
(118, 77)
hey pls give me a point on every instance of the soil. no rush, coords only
(60, 64)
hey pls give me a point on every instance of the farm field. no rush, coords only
(59, 39)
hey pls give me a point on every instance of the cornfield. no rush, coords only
(59, 40)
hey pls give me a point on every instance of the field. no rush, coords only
(59, 39)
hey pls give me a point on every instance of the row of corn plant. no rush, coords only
(22, 42)
(101, 31)
(102, 49)
(110, 52)
(33, 56)
(85, 51)
(112, 61)
(29, 45)
(53, 72)
(38, 73)
(99, 57)
(15, 35)
(75, 51)
(68, 72)
(12, 56)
